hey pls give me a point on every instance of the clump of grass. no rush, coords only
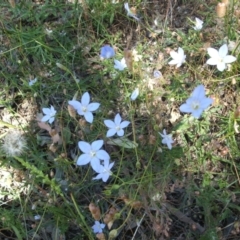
(151, 191)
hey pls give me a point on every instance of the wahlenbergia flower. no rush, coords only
(129, 12)
(85, 108)
(157, 74)
(107, 52)
(98, 227)
(197, 102)
(32, 82)
(92, 154)
(167, 139)
(120, 65)
(198, 24)
(116, 126)
(104, 171)
(134, 94)
(49, 114)
(178, 57)
(220, 57)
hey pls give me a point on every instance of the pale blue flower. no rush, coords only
(157, 74)
(98, 227)
(32, 82)
(116, 126)
(107, 52)
(49, 114)
(167, 139)
(92, 154)
(104, 171)
(134, 94)
(85, 108)
(197, 102)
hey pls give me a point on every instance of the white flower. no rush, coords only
(167, 139)
(120, 65)
(49, 114)
(116, 126)
(85, 108)
(197, 102)
(129, 12)
(32, 82)
(104, 171)
(14, 143)
(135, 94)
(37, 217)
(220, 57)
(92, 154)
(178, 57)
(198, 24)
(98, 227)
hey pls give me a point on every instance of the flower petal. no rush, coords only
(124, 124)
(185, 108)
(223, 50)
(206, 103)
(221, 66)
(93, 107)
(75, 104)
(85, 99)
(103, 155)
(88, 116)
(105, 176)
(197, 113)
(83, 159)
(213, 53)
(198, 92)
(109, 123)
(95, 164)
(96, 145)
(46, 111)
(117, 119)
(45, 118)
(84, 146)
(212, 61)
(120, 133)
(229, 59)
(51, 120)
(111, 132)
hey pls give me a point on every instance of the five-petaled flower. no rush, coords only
(197, 102)
(104, 171)
(98, 227)
(116, 126)
(198, 24)
(49, 114)
(220, 57)
(178, 57)
(134, 94)
(129, 12)
(107, 52)
(167, 139)
(85, 108)
(93, 154)
(120, 65)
